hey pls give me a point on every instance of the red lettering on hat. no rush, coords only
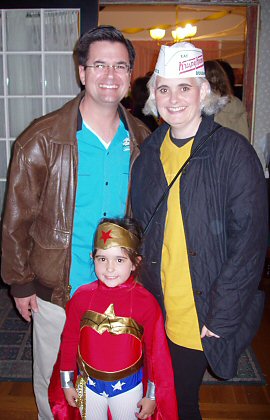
(190, 65)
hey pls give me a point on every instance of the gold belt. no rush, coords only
(87, 371)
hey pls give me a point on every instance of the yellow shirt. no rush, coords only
(182, 322)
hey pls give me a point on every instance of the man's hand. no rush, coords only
(25, 305)
(207, 333)
(147, 408)
(71, 396)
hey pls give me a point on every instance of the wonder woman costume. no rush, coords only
(110, 333)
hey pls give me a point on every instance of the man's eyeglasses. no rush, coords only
(121, 68)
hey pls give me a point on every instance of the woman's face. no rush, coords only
(178, 103)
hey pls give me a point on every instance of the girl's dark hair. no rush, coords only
(132, 226)
(103, 33)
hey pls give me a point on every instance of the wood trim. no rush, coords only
(250, 65)
(179, 2)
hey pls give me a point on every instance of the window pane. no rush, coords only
(2, 119)
(2, 193)
(3, 159)
(54, 103)
(24, 75)
(61, 29)
(1, 42)
(1, 76)
(60, 75)
(21, 112)
(23, 30)
(11, 146)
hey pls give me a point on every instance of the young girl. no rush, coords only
(114, 334)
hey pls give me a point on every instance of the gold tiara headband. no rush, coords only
(109, 235)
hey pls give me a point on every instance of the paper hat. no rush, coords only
(180, 60)
(109, 235)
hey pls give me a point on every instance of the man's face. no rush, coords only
(178, 102)
(107, 86)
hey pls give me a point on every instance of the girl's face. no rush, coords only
(113, 266)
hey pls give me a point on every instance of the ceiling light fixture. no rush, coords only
(157, 33)
(178, 34)
(181, 33)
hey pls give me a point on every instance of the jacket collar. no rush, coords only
(207, 125)
(156, 139)
(136, 128)
(69, 121)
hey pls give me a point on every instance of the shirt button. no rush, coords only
(192, 253)
(106, 183)
(104, 214)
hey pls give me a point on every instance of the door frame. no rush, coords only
(252, 34)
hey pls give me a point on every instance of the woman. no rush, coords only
(233, 114)
(205, 236)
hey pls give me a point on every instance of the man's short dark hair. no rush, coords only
(103, 33)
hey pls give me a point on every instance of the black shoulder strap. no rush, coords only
(166, 192)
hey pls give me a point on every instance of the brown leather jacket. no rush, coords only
(38, 219)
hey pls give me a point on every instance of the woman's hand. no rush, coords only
(207, 333)
(71, 396)
(147, 408)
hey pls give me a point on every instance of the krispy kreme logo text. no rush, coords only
(192, 64)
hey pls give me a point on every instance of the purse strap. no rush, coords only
(166, 192)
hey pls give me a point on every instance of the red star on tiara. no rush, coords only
(105, 236)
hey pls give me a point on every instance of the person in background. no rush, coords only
(127, 103)
(70, 168)
(139, 95)
(233, 114)
(112, 325)
(205, 230)
(230, 74)
(237, 89)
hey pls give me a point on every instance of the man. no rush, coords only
(70, 168)
(205, 230)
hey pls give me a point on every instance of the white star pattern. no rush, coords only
(91, 382)
(104, 394)
(118, 386)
